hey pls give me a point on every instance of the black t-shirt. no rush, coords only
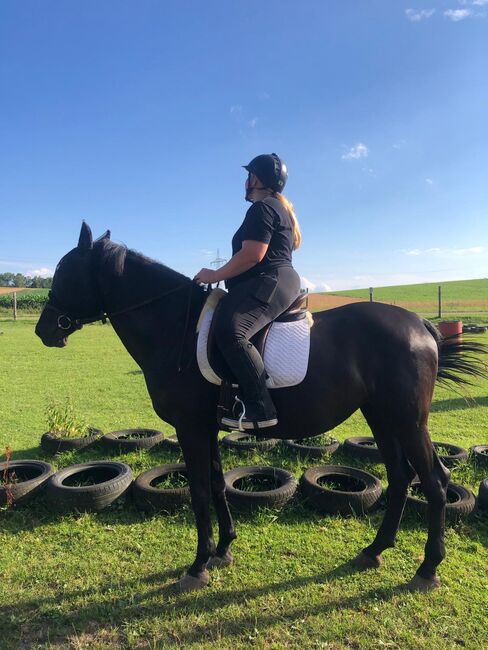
(266, 221)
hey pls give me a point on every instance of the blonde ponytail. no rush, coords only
(297, 235)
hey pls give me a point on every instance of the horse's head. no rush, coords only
(74, 298)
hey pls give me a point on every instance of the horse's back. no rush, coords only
(380, 345)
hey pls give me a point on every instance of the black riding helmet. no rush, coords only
(270, 170)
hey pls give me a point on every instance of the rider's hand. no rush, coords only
(205, 276)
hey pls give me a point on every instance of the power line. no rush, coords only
(218, 261)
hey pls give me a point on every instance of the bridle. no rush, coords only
(67, 322)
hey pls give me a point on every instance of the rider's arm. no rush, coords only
(250, 254)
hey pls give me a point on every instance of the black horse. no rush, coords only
(370, 356)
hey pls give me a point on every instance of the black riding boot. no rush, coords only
(254, 409)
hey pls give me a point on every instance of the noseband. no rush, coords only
(67, 322)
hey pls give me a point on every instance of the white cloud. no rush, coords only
(475, 250)
(445, 252)
(314, 286)
(43, 272)
(416, 15)
(253, 122)
(457, 14)
(480, 3)
(264, 96)
(399, 144)
(355, 153)
(236, 110)
(429, 181)
(206, 252)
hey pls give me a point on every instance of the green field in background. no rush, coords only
(459, 292)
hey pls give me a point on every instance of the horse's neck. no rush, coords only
(152, 333)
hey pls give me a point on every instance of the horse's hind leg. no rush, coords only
(227, 534)
(434, 478)
(400, 474)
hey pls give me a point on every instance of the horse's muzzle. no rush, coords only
(52, 341)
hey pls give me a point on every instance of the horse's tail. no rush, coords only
(458, 358)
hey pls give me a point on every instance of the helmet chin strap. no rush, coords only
(250, 190)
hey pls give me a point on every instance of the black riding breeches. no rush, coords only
(246, 309)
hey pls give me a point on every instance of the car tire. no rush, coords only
(115, 479)
(53, 444)
(117, 440)
(35, 472)
(171, 443)
(363, 447)
(151, 499)
(456, 454)
(480, 455)
(311, 451)
(329, 500)
(460, 502)
(243, 500)
(483, 495)
(243, 441)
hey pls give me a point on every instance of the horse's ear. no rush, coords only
(85, 241)
(106, 235)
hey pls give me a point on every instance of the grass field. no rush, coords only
(36, 292)
(98, 581)
(463, 297)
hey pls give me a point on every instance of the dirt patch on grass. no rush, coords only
(10, 290)
(319, 302)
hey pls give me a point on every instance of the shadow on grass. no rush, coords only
(459, 403)
(162, 601)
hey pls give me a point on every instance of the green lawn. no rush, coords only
(468, 298)
(99, 580)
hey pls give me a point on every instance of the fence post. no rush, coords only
(370, 294)
(440, 301)
(15, 305)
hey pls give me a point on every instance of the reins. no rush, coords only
(66, 322)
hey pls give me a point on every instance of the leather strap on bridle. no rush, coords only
(66, 322)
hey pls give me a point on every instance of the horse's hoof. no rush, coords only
(417, 583)
(190, 583)
(219, 561)
(364, 561)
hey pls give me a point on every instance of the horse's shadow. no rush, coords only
(161, 601)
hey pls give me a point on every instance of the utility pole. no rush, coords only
(218, 261)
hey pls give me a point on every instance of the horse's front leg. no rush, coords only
(195, 445)
(227, 533)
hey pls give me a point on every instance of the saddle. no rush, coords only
(284, 345)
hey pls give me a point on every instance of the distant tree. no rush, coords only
(22, 281)
(7, 279)
(39, 283)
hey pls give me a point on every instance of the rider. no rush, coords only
(261, 283)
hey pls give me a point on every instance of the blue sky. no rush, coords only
(137, 116)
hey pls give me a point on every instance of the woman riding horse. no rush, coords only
(374, 357)
(262, 284)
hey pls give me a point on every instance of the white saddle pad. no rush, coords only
(286, 350)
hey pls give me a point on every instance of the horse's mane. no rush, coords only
(113, 257)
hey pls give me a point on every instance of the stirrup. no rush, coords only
(244, 424)
(235, 423)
